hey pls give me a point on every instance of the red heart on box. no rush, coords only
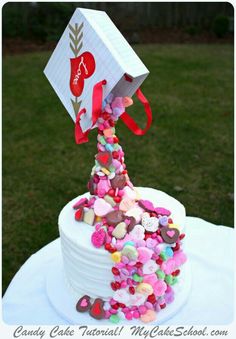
(82, 67)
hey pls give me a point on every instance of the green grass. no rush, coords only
(190, 143)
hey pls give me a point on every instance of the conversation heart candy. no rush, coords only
(120, 230)
(109, 200)
(130, 252)
(162, 211)
(159, 288)
(126, 204)
(135, 212)
(127, 101)
(146, 205)
(129, 193)
(150, 267)
(148, 317)
(150, 279)
(150, 223)
(122, 296)
(137, 233)
(137, 299)
(80, 203)
(144, 288)
(144, 254)
(101, 207)
(89, 217)
(163, 220)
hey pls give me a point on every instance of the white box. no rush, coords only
(91, 46)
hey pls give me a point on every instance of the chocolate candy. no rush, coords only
(114, 217)
(91, 186)
(131, 224)
(118, 181)
(83, 304)
(169, 235)
(104, 159)
(96, 311)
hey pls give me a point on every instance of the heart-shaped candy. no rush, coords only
(83, 304)
(120, 230)
(80, 203)
(127, 101)
(130, 252)
(79, 214)
(169, 235)
(101, 207)
(126, 204)
(122, 296)
(150, 267)
(118, 181)
(96, 311)
(144, 254)
(129, 193)
(114, 217)
(131, 223)
(150, 223)
(89, 217)
(149, 316)
(104, 159)
(146, 205)
(162, 211)
(135, 212)
(137, 299)
(144, 288)
(109, 200)
(137, 233)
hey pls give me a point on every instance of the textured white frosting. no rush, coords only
(88, 269)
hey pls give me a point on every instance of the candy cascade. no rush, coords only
(142, 240)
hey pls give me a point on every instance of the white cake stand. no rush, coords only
(64, 302)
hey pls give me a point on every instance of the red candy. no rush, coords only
(151, 298)
(181, 236)
(159, 261)
(162, 306)
(113, 286)
(111, 192)
(115, 271)
(115, 155)
(117, 199)
(131, 290)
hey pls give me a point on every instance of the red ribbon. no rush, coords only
(82, 137)
(130, 123)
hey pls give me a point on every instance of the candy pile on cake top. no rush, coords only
(140, 237)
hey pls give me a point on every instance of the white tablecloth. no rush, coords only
(210, 251)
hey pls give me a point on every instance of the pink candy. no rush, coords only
(98, 238)
(144, 254)
(159, 288)
(168, 266)
(142, 309)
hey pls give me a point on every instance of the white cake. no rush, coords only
(88, 269)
